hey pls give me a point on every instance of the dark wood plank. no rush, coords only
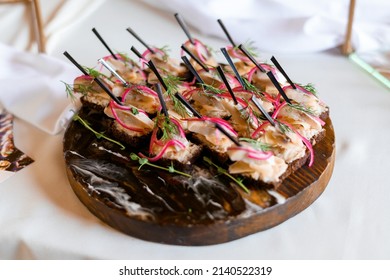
(300, 189)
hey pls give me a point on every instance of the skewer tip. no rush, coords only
(225, 81)
(162, 101)
(280, 68)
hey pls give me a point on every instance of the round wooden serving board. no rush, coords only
(107, 183)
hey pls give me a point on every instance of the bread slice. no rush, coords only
(261, 173)
(211, 149)
(292, 166)
(182, 158)
(131, 127)
(92, 95)
(132, 139)
(97, 101)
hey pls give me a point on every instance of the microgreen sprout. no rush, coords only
(238, 181)
(145, 161)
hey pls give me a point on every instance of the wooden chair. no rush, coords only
(347, 48)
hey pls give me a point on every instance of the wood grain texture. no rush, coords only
(300, 189)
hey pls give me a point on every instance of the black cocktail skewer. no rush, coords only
(262, 110)
(184, 48)
(75, 63)
(188, 105)
(155, 71)
(254, 99)
(281, 70)
(184, 27)
(192, 69)
(220, 128)
(97, 80)
(225, 81)
(113, 72)
(217, 126)
(103, 42)
(136, 52)
(226, 32)
(269, 73)
(244, 51)
(135, 35)
(229, 60)
(162, 101)
(278, 87)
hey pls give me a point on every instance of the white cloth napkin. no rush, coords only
(31, 88)
(295, 26)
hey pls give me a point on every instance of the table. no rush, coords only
(41, 218)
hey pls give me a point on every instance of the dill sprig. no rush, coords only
(172, 82)
(259, 116)
(165, 49)
(95, 73)
(84, 89)
(126, 59)
(223, 171)
(167, 127)
(249, 86)
(250, 46)
(283, 128)
(211, 89)
(98, 135)
(80, 88)
(69, 91)
(257, 144)
(302, 108)
(179, 107)
(145, 161)
(310, 87)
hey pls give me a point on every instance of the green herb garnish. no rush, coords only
(167, 127)
(69, 91)
(310, 87)
(145, 161)
(211, 89)
(223, 171)
(302, 108)
(98, 135)
(249, 86)
(257, 144)
(125, 58)
(250, 46)
(165, 49)
(172, 82)
(283, 128)
(94, 73)
(82, 89)
(134, 111)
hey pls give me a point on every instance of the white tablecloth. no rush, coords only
(41, 218)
